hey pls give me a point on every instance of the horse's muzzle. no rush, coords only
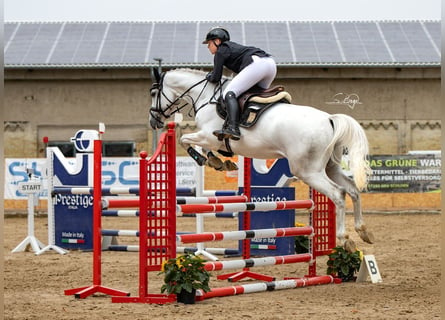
(156, 124)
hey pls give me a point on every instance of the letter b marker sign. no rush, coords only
(369, 266)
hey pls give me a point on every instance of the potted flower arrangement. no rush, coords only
(301, 242)
(343, 263)
(183, 275)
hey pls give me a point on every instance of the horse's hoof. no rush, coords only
(366, 236)
(230, 165)
(350, 246)
(216, 163)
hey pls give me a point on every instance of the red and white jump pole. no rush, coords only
(245, 234)
(115, 203)
(248, 206)
(257, 262)
(264, 286)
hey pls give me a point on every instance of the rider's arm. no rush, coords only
(218, 64)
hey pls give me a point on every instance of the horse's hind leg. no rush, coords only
(321, 182)
(336, 174)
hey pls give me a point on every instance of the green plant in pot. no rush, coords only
(301, 242)
(344, 264)
(183, 275)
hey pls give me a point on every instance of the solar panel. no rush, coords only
(7, 40)
(419, 41)
(372, 42)
(434, 31)
(256, 35)
(90, 43)
(315, 42)
(304, 43)
(161, 43)
(271, 37)
(102, 43)
(279, 41)
(137, 43)
(351, 42)
(115, 43)
(69, 41)
(20, 44)
(183, 46)
(42, 43)
(325, 42)
(9, 29)
(398, 42)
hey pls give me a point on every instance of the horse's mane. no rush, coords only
(198, 72)
(190, 70)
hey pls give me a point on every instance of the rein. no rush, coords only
(172, 105)
(213, 97)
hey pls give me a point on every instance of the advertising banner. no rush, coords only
(405, 173)
(117, 172)
(270, 219)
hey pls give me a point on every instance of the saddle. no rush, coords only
(254, 102)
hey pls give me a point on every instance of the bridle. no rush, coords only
(174, 106)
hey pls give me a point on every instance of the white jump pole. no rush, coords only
(200, 218)
(51, 214)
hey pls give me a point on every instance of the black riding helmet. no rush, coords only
(217, 33)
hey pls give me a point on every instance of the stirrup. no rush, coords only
(226, 134)
(233, 132)
(220, 134)
(235, 136)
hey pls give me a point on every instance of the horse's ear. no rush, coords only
(155, 73)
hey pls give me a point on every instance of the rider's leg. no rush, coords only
(260, 72)
(232, 129)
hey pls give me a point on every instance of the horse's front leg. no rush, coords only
(216, 163)
(207, 156)
(199, 138)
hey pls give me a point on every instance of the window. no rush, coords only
(67, 148)
(118, 149)
(109, 148)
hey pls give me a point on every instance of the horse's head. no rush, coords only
(158, 112)
(173, 88)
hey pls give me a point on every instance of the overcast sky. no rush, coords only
(222, 10)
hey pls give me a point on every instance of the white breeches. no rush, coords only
(261, 72)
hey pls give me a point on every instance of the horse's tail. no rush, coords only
(349, 136)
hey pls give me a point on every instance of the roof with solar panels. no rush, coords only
(292, 43)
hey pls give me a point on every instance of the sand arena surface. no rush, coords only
(406, 250)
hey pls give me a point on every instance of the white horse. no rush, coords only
(311, 140)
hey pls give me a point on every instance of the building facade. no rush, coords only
(397, 107)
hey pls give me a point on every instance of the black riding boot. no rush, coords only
(231, 130)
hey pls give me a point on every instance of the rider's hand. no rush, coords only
(209, 77)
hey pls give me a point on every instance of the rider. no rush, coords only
(252, 65)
